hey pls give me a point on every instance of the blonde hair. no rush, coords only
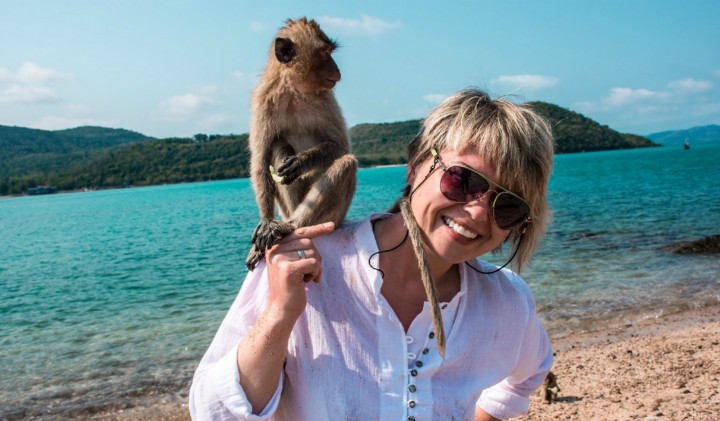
(513, 138)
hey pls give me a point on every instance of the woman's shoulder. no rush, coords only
(349, 231)
(504, 281)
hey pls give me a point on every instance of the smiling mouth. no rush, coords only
(459, 229)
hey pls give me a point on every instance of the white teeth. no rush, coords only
(459, 229)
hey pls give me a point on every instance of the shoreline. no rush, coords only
(658, 368)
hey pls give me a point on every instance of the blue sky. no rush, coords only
(177, 68)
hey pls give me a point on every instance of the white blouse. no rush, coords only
(349, 357)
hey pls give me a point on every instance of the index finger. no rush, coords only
(312, 231)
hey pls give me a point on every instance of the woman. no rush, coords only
(360, 344)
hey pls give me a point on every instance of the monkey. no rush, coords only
(550, 389)
(299, 146)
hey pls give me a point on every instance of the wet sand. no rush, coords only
(667, 368)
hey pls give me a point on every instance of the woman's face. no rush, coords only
(455, 232)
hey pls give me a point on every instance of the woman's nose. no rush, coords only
(480, 209)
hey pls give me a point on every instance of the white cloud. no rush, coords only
(623, 96)
(22, 94)
(626, 99)
(639, 108)
(260, 26)
(434, 99)
(31, 74)
(690, 85)
(212, 122)
(183, 106)
(245, 78)
(525, 82)
(365, 25)
(29, 84)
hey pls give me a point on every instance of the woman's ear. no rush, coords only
(410, 175)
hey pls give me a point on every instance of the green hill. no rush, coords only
(99, 157)
(25, 152)
(19, 141)
(576, 133)
(383, 143)
(146, 163)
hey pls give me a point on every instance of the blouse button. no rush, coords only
(444, 306)
(412, 388)
(411, 404)
(413, 372)
(409, 339)
(432, 335)
(411, 356)
(418, 364)
(411, 419)
(425, 351)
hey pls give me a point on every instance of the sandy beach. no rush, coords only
(666, 368)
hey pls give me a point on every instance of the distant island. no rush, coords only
(97, 157)
(702, 135)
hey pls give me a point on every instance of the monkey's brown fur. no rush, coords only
(298, 128)
(550, 389)
(416, 240)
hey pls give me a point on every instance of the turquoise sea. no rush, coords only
(110, 298)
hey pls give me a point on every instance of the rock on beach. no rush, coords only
(707, 245)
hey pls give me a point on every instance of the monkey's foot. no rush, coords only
(254, 257)
(268, 232)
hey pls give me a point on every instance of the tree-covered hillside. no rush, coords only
(20, 141)
(147, 163)
(576, 133)
(95, 157)
(384, 143)
(36, 153)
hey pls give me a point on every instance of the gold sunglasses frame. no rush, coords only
(492, 184)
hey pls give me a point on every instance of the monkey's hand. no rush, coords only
(268, 232)
(290, 169)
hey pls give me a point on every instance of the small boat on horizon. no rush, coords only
(686, 145)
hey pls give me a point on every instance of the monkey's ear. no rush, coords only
(284, 50)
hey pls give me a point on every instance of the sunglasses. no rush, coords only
(462, 184)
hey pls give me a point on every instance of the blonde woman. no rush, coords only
(360, 345)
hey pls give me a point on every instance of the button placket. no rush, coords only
(412, 386)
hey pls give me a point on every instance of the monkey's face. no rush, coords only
(322, 73)
(305, 56)
(455, 232)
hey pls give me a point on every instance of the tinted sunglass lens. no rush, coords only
(462, 185)
(509, 210)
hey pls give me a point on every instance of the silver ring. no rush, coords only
(301, 254)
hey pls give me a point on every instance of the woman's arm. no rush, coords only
(261, 353)
(481, 415)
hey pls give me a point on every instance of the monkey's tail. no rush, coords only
(427, 279)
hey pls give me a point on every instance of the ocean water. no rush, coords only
(110, 298)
